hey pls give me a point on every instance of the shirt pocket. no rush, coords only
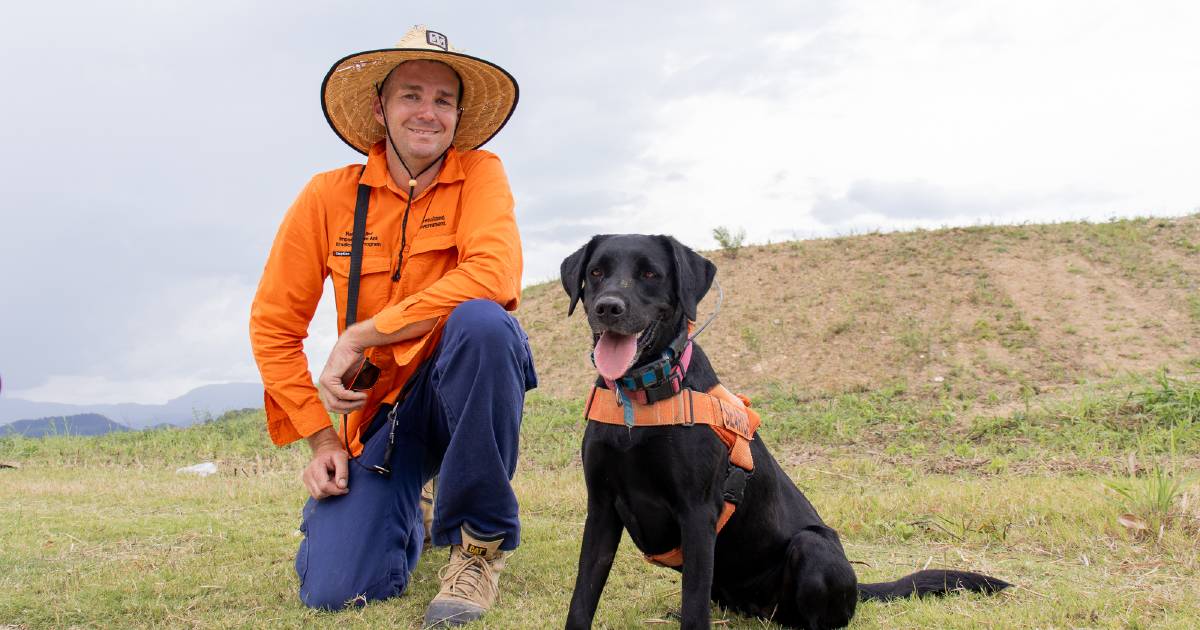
(429, 258)
(374, 286)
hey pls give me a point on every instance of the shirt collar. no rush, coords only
(376, 173)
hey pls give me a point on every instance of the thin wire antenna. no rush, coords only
(720, 299)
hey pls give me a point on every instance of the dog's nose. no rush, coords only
(610, 307)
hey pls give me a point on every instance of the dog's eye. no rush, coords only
(649, 275)
(596, 273)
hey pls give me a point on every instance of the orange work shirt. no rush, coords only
(462, 244)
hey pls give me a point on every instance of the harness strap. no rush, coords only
(674, 558)
(729, 416)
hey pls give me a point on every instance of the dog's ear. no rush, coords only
(572, 272)
(693, 275)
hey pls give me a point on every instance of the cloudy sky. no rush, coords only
(150, 148)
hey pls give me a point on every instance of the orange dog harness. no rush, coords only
(729, 415)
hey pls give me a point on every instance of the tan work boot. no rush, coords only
(427, 492)
(470, 582)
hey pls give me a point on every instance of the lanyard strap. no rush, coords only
(356, 247)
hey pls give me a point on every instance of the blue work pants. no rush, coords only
(460, 421)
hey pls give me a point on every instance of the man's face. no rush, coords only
(421, 98)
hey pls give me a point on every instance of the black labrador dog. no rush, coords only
(775, 558)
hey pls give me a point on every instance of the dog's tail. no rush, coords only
(931, 582)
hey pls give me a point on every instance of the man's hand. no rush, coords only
(334, 395)
(328, 473)
(348, 351)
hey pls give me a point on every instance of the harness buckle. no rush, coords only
(587, 409)
(651, 376)
(689, 415)
(734, 488)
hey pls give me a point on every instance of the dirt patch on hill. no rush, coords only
(1089, 319)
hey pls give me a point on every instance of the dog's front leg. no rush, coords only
(601, 536)
(699, 533)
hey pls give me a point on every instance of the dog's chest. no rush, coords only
(638, 452)
(654, 474)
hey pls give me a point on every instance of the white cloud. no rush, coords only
(83, 389)
(1024, 111)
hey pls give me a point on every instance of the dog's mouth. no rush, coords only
(614, 352)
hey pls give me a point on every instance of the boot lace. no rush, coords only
(470, 577)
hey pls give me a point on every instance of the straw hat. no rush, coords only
(347, 94)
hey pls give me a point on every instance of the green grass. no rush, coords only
(1160, 416)
(750, 339)
(914, 338)
(100, 532)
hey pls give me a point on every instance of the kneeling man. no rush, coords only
(423, 249)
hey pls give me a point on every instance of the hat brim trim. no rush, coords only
(424, 55)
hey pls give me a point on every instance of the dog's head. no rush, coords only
(638, 291)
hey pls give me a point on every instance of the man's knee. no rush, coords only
(330, 588)
(338, 567)
(484, 322)
(325, 597)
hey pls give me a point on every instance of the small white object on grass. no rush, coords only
(203, 469)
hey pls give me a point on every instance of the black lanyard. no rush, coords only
(356, 247)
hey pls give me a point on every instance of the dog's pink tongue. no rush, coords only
(614, 354)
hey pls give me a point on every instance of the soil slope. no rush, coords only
(982, 313)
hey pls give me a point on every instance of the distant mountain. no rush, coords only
(198, 405)
(82, 424)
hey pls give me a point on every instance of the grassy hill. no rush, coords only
(1059, 450)
(980, 314)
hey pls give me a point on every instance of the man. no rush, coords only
(437, 262)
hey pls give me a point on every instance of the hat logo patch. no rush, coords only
(434, 38)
